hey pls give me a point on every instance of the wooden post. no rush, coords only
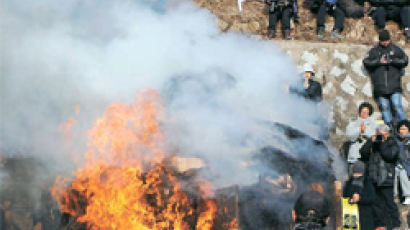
(338, 204)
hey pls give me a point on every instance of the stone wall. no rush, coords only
(345, 82)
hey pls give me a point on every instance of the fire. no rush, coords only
(126, 182)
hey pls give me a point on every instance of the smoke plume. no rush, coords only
(221, 90)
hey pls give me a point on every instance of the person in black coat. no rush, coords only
(385, 63)
(284, 10)
(308, 88)
(360, 190)
(381, 154)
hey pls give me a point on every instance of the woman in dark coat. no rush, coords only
(361, 191)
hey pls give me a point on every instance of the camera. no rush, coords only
(387, 57)
(379, 137)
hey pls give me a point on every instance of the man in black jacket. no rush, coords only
(381, 153)
(386, 62)
(283, 9)
(360, 190)
(397, 10)
(311, 211)
(308, 88)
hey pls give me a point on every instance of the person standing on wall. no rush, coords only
(386, 62)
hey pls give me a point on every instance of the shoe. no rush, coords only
(321, 33)
(336, 35)
(406, 201)
(271, 33)
(286, 35)
(407, 32)
(380, 228)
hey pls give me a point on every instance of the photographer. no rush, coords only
(283, 9)
(311, 211)
(386, 62)
(332, 8)
(381, 153)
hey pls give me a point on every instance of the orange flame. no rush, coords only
(125, 183)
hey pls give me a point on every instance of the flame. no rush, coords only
(125, 182)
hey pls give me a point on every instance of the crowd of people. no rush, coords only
(380, 11)
(377, 151)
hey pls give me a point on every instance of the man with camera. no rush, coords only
(381, 153)
(283, 9)
(386, 62)
(311, 211)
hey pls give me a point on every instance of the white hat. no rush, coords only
(308, 68)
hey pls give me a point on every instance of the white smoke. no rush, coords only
(59, 54)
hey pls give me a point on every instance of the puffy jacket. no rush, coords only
(381, 158)
(386, 78)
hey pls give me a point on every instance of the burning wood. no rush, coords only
(127, 183)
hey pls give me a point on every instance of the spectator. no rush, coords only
(330, 7)
(283, 9)
(403, 164)
(359, 131)
(381, 153)
(308, 88)
(397, 10)
(361, 191)
(386, 62)
(311, 211)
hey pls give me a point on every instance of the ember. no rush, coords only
(126, 182)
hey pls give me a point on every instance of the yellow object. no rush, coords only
(350, 215)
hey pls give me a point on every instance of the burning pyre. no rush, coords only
(127, 181)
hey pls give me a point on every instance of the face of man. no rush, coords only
(385, 43)
(403, 130)
(307, 75)
(365, 112)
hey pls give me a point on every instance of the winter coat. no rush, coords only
(356, 139)
(367, 197)
(404, 157)
(313, 92)
(386, 78)
(381, 158)
(351, 8)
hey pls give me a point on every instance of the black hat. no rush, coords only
(358, 167)
(368, 105)
(384, 35)
(312, 205)
(401, 123)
